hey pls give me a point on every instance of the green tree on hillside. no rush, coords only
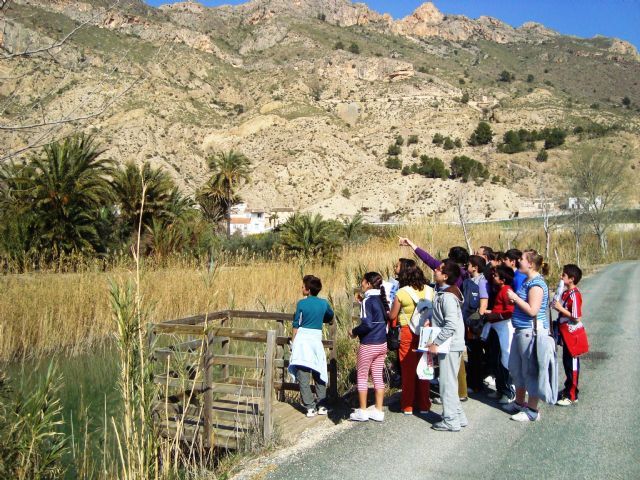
(482, 135)
(311, 236)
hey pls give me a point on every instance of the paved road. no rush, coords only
(597, 439)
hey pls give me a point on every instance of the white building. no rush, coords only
(574, 203)
(246, 221)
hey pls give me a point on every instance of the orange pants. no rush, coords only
(415, 392)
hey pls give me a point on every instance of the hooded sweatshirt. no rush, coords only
(447, 315)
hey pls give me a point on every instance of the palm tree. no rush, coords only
(311, 236)
(163, 200)
(352, 229)
(230, 170)
(67, 187)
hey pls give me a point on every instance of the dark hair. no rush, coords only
(375, 279)
(411, 274)
(500, 256)
(573, 271)
(460, 255)
(488, 252)
(478, 262)
(513, 254)
(313, 284)
(505, 274)
(537, 261)
(452, 270)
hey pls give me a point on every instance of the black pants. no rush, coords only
(503, 378)
(476, 364)
(572, 371)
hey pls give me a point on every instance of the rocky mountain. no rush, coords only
(315, 92)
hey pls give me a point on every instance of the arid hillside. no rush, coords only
(315, 92)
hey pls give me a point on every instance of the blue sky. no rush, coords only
(584, 18)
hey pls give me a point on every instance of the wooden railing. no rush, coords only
(199, 405)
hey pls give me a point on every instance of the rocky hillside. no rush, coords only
(314, 92)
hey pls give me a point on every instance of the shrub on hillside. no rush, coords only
(394, 149)
(468, 169)
(393, 163)
(482, 135)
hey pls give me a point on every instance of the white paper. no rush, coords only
(428, 335)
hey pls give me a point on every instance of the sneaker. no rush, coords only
(513, 407)
(408, 412)
(376, 415)
(359, 415)
(526, 415)
(322, 411)
(311, 412)
(489, 381)
(464, 399)
(505, 400)
(566, 402)
(443, 427)
(437, 401)
(493, 394)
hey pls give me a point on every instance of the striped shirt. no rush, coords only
(520, 319)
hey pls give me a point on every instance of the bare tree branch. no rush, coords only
(59, 43)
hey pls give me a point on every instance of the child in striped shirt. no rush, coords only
(372, 332)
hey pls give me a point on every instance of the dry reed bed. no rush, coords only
(44, 312)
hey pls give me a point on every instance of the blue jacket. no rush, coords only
(373, 325)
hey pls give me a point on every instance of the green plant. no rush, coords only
(438, 139)
(506, 76)
(394, 149)
(32, 446)
(482, 135)
(431, 167)
(530, 78)
(353, 228)
(393, 163)
(346, 193)
(467, 169)
(542, 155)
(399, 140)
(412, 140)
(338, 45)
(354, 48)
(464, 98)
(448, 144)
(311, 236)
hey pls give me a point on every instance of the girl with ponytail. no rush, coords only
(372, 332)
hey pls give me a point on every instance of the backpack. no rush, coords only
(471, 303)
(423, 310)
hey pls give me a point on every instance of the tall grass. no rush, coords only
(46, 312)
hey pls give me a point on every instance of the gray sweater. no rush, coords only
(447, 315)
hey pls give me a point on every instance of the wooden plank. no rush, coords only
(333, 362)
(173, 382)
(239, 390)
(179, 329)
(267, 429)
(280, 317)
(221, 437)
(246, 361)
(240, 414)
(208, 392)
(282, 371)
(225, 349)
(195, 319)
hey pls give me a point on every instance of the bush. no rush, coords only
(458, 143)
(530, 78)
(393, 163)
(394, 149)
(339, 45)
(406, 170)
(438, 139)
(465, 97)
(431, 167)
(512, 143)
(506, 76)
(482, 135)
(626, 101)
(448, 144)
(415, 153)
(399, 140)
(322, 17)
(346, 193)
(554, 137)
(467, 168)
(413, 139)
(542, 156)
(354, 48)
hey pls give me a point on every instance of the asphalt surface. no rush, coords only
(599, 438)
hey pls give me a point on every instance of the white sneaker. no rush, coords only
(322, 411)
(359, 415)
(490, 381)
(375, 414)
(504, 400)
(526, 415)
(311, 412)
(513, 407)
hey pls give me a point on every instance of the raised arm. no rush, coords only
(431, 262)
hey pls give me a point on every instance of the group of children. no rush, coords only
(489, 309)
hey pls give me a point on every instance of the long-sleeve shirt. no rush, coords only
(312, 312)
(434, 263)
(503, 305)
(448, 316)
(373, 325)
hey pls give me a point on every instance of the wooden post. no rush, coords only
(207, 371)
(225, 348)
(333, 362)
(269, 357)
(282, 374)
